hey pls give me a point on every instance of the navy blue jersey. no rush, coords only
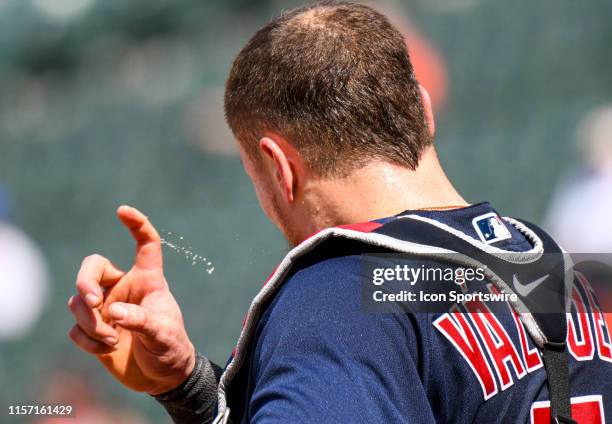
(315, 355)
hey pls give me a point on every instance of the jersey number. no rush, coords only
(585, 410)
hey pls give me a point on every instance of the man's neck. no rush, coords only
(379, 190)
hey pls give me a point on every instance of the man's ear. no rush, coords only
(429, 117)
(281, 155)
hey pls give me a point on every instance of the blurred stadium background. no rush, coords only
(111, 102)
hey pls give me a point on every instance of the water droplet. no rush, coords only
(188, 253)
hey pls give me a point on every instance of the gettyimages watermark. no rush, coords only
(540, 283)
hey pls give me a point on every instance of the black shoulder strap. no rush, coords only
(555, 358)
(557, 372)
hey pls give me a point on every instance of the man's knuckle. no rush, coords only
(72, 304)
(81, 284)
(93, 258)
(145, 318)
(164, 335)
(73, 333)
(154, 235)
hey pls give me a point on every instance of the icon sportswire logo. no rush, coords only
(525, 289)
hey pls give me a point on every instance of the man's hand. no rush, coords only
(131, 321)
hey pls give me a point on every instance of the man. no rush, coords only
(336, 136)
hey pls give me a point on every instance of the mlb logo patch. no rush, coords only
(491, 228)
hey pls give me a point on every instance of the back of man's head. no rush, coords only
(335, 80)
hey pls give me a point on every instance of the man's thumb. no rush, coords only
(132, 317)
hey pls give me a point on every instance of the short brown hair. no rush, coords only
(335, 80)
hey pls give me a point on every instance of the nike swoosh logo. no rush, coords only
(525, 289)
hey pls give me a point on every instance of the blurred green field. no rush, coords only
(122, 104)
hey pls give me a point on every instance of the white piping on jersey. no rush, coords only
(527, 256)
(381, 240)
